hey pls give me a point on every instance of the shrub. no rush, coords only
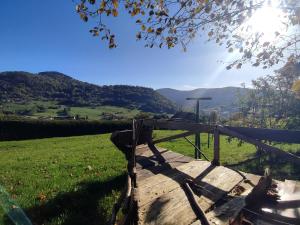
(32, 129)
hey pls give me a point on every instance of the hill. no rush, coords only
(24, 87)
(223, 99)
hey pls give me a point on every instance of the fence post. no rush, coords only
(216, 160)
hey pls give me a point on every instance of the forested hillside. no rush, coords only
(25, 87)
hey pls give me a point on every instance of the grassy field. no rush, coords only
(40, 109)
(76, 180)
(72, 180)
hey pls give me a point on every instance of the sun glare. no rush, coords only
(266, 21)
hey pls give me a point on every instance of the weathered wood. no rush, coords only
(227, 212)
(285, 136)
(216, 160)
(151, 171)
(176, 136)
(164, 191)
(171, 208)
(197, 209)
(160, 184)
(172, 125)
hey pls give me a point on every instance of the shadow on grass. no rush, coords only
(77, 207)
(280, 167)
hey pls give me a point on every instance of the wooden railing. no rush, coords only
(253, 136)
(141, 132)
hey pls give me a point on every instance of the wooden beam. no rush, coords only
(267, 148)
(176, 136)
(178, 125)
(216, 160)
(285, 136)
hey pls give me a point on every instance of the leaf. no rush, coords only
(149, 30)
(102, 5)
(84, 17)
(138, 35)
(42, 197)
(115, 3)
(115, 13)
(239, 66)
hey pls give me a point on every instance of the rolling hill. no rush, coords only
(223, 99)
(23, 87)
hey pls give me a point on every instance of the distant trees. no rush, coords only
(272, 102)
(227, 22)
(54, 86)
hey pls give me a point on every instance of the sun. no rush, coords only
(267, 21)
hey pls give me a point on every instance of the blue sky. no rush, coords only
(48, 35)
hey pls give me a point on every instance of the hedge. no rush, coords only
(34, 129)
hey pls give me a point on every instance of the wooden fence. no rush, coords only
(255, 136)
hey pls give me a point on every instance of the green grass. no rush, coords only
(50, 109)
(96, 113)
(230, 152)
(76, 180)
(71, 180)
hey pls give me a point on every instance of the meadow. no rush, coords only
(76, 180)
(46, 109)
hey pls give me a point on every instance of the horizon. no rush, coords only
(38, 73)
(59, 41)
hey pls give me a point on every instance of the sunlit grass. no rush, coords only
(71, 180)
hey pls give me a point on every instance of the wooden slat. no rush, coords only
(227, 212)
(160, 184)
(171, 208)
(144, 161)
(163, 191)
(151, 171)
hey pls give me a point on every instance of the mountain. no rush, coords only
(223, 99)
(23, 87)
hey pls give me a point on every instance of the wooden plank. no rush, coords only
(171, 208)
(197, 222)
(165, 157)
(228, 211)
(155, 186)
(162, 200)
(216, 160)
(151, 171)
(285, 136)
(172, 125)
(215, 183)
